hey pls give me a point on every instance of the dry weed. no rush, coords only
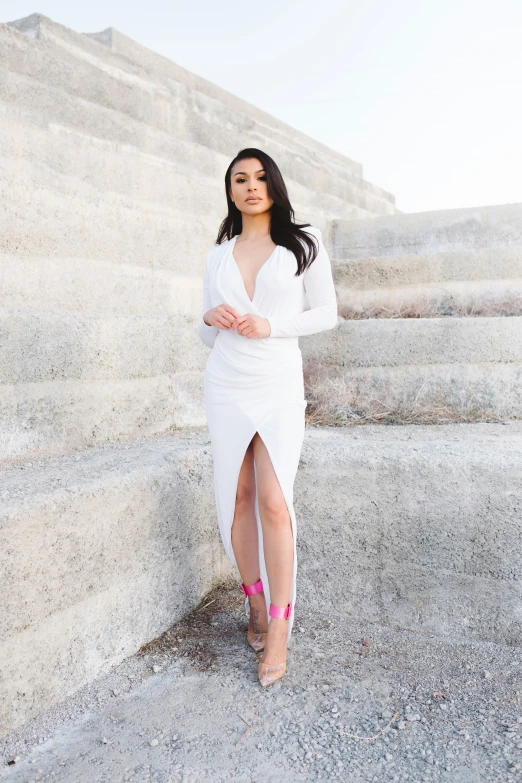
(433, 306)
(349, 400)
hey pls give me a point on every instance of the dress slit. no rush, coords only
(231, 430)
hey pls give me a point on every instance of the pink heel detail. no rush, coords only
(280, 611)
(257, 587)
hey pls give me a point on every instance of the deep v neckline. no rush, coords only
(233, 243)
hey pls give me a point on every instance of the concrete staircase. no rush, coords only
(111, 169)
(432, 327)
(446, 262)
(110, 172)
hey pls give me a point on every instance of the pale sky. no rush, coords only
(425, 94)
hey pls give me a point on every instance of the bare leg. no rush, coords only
(245, 540)
(278, 548)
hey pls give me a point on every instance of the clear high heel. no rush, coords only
(255, 640)
(271, 672)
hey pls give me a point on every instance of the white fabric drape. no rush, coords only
(256, 384)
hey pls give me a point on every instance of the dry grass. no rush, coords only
(433, 306)
(213, 629)
(348, 401)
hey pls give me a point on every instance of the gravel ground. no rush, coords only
(359, 702)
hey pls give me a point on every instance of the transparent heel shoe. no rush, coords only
(271, 672)
(255, 640)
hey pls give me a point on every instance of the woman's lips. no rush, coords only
(253, 199)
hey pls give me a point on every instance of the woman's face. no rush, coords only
(248, 187)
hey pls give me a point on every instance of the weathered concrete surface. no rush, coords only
(459, 272)
(75, 379)
(72, 379)
(103, 550)
(467, 366)
(415, 341)
(470, 257)
(415, 525)
(425, 232)
(102, 216)
(433, 284)
(359, 702)
(144, 88)
(99, 553)
(384, 272)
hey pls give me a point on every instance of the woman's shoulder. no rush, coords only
(216, 250)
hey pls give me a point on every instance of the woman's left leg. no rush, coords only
(277, 547)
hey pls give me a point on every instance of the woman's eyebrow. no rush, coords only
(244, 172)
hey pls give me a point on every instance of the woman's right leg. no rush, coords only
(245, 540)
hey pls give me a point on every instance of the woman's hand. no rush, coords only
(222, 316)
(250, 325)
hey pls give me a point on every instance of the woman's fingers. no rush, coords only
(223, 321)
(230, 311)
(247, 325)
(225, 315)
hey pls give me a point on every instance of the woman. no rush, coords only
(256, 279)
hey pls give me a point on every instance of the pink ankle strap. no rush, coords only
(280, 611)
(252, 589)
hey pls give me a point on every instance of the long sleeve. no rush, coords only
(207, 333)
(321, 296)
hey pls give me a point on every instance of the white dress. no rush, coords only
(256, 384)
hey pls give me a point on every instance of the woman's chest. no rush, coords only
(276, 284)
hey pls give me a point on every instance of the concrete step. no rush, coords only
(417, 526)
(384, 274)
(100, 552)
(99, 228)
(474, 298)
(419, 370)
(103, 550)
(100, 286)
(94, 74)
(47, 155)
(463, 261)
(438, 231)
(394, 342)
(128, 232)
(70, 379)
(105, 139)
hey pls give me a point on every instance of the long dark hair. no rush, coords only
(283, 230)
